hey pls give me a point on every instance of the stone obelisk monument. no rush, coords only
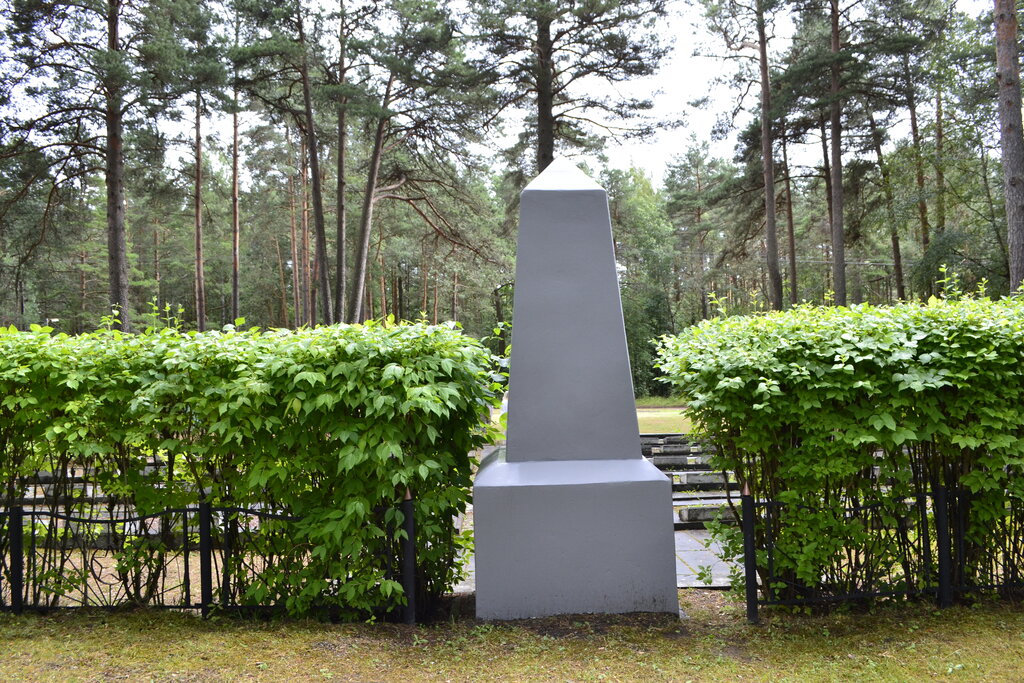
(570, 517)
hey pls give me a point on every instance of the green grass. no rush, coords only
(658, 402)
(655, 420)
(713, 643)
(655, 415)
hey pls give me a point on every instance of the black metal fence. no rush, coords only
(200, 558)
(918, 547)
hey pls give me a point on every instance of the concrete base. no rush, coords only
(572, 537)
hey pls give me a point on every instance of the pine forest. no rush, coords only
(303, 162)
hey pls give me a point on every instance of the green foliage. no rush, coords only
(330, 425)
(849, 416)
(644, 243)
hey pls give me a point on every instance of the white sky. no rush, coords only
(685, 77)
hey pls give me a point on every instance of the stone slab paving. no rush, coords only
(691, 555)
(694, 554)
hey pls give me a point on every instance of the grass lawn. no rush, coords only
(658, 402)
(655, 420)
(655, 415)
(713, 643)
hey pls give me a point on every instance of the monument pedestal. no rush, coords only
(572, 536)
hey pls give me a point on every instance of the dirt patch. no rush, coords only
(713, 607)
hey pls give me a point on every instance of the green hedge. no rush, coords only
(329, 425)
(828, 410)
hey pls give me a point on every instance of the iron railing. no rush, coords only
(919, 546)
(199, 557)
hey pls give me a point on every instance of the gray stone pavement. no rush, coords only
(691, 556)
(694, 555)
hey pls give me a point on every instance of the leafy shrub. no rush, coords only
(329, 425)
(850, 417)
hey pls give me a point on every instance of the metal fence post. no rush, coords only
(749, 553)
(227, 548)
(409, 559)
(945, 596)
(205, 558)
(14, 533)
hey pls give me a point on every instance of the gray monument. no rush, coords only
(570, 517)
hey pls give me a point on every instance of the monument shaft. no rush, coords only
(570, 518)
(571, 391)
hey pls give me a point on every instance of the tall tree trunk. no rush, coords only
(890, 209)
(79, 325)
(236, 232)
(156, 266)
(1010, 134)
(296, 283)
(308, 314)
(545, 94)
(940, 165)
(826, 166)
(423, 284)
(282, 288)
(117, 239)
(768, 168)
(366, 220)
(835, 116)
(794, 297)
(915, 136)
(434, 321)
(313, 278)
(319, 229)
(383, 287)
(200, 274)
(400, 304)
(991, 204)
(455, 297)
(341, 230)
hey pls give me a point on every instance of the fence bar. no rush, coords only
(14, 533)
(945, 597)
(409, 560)
(926, 543)
(749, 553)
(205, 558)
(962, 499)
(225, 558)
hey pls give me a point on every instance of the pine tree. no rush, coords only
(1011, 132)
(96, 64)
(543, 52)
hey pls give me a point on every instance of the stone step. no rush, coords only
(679, 462)
(701, 480)
(671, 449)
(674, 451)
(697, 517)
(688, 497)
(690, 510)
(666, 437)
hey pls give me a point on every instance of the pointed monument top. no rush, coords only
(563, 175)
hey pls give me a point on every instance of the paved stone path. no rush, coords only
(691, 555)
